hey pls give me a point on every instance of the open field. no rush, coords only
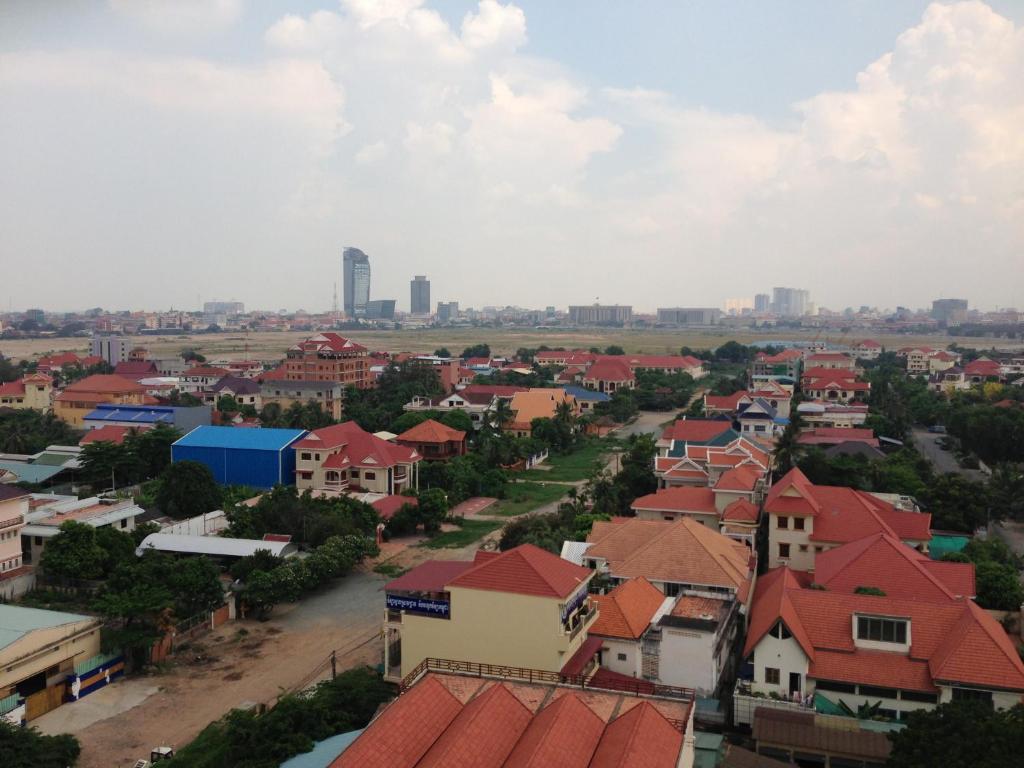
(469, 532)
(526, 497)
(271, 346)
(578, 465)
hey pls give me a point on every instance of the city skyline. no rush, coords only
(510, 162)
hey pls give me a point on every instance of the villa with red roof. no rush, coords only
(805, 520)
(500, 719)
(785, 364)
(609, 374)
(916, 646)
(707, 505)
(477, 400)
(525, 607)
(345, 457)
(867, 349)
(434, 441)
(32, 391)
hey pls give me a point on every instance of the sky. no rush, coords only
(679, 153)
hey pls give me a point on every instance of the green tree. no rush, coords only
(152, 450)
(432, 509)
(956, 503)
(105, 462)
(74, 552)
(1006, 490)
(29, 431)
(734, 352)
(614, 349)
(28, 748)
(998, 586)
(959, 735)
(228, 404)
(442, 352)
(187, 489)
(477, 350)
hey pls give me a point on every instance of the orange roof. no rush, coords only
(684, 499)
(206, 370)
(104, 383)
(563, 734)
(609, 369)
(683, 551)
(110, 433)
(725, 402)
(627, 610)
(525, 570)
(952, 641)
(641, 738)
(431, 431)
(694, 607)
(741, 478)
(359, 447)
(741, 511)
(695, 430)
(538, 403)
(883, 561)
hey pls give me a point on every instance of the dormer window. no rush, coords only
(879, 630)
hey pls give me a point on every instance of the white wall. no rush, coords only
(687, 659)
(612, 647)
(783, 655)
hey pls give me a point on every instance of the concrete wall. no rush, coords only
(687, 659)
(492, 627)
(783, 655)
(613, 647)
(42, 649)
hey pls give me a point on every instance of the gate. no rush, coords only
(43, 701)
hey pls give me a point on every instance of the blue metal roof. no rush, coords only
(324, 752)
(250, 438)
(591, 395)
(143, 414)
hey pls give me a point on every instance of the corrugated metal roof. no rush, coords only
(324, 752)
(230, 437)
(17, 621)
(143, 414)
(31, 473)
(212, 545)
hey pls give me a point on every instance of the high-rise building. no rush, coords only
(355, 273)
(689, 315)
(762, 302)
(419, 300)
(790, 302)
(113, 349)
(949, 311)
(600, 314)
(380, 309)
(447, 311)
(223, 308)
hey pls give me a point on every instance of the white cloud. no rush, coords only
(372, 153)
(180, 16)
(494, 25)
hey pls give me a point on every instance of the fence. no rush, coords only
(187, 629)
(633, 687)
(66, 583)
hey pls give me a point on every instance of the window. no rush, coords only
(927, 698)
(671, 590)
(783, 522)
(803, 547)
(830, 685)
(621, 656)
(877, 693)
(798, 523)
(881, 630)
(780, 631)
(771, 675)
(306, 456)
(783, 550)
(970, 694)
(369, 475)
(124, 523)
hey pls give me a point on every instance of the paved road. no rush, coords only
(943, 461)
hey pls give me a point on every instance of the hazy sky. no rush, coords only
(538, 152)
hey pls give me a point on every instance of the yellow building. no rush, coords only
(525, 607)
(32, 391)
(80, 399)
(38, 653)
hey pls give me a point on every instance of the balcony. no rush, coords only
(14, 521)
(400, 473)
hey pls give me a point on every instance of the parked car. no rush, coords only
(937, 429)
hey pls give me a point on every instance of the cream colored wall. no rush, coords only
(724, 498)
(10, 537)
(45, 648)
(798, 561)
(610, 650)
(710, 521)
(783, 655)
(493, 628)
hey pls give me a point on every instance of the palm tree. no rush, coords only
(500, 413)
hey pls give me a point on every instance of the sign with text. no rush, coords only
(573, 603)
(441, 608)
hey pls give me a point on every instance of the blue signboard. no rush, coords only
(573, 603)
(440, 608)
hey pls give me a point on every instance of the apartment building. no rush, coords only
(33, 391)
(328, 357)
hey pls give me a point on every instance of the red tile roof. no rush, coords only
(982, 367)
(741, 511)
(741, 478)
(837, 435)
(627, 610)
(58, 361)
(389, 505)
(431, 576)
(562, 734)
(105, 384)
(580, 660)
(784, 356)
(16, 387)
(683, 499)
(827, 357)
(110, 433)
(359, 447)
(839, 374)
(328, 342)
(883, 561)
(208, 371)
(952, 641)
(494, 390)
(725, 402)
(695, 430)
(640, 738)
(431, 431)
(403, 732)
(526, 570)
(661, 361)
(609, 369)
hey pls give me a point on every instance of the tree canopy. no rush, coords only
(28, 748)
(959, 735)
(187, 489)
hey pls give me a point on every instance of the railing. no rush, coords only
(12, 522)
(525, 674)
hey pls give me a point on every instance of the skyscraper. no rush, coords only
(419, 302)
(762, 302)
(355, 273)
(790, 302)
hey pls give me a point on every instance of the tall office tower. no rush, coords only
(419, 301)
(790, 302)
(762, 302)
(355, 273)
(949, 311)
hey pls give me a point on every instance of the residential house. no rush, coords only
(707, 505)
(13, 508)
(587, 398)
(904, 653)
(200, 378)
(55, 363)
(948, 380)
(245, 391)
(819, 413)
(328, 357)
(524, 607)
(759, 419)
(47, 512)
(668, 364)
(477, 400)
(32, 391)
(730, 406)
(434, 441)
(783, 365)
(330, 395)
(832, 436)
(82, 397)
(537, 403)
(136, 370)
(579, 358)
(39, 652)
(692, 564)
(922, 361)
(111, 433)
(805, 520)
(505, 717)
(345, 457)
(677, 435)
(942, 360)
(867, 349)
(833, 385)
(624, 620)
(981, 370)
(831, 361)
(608, 375)
(696, 455)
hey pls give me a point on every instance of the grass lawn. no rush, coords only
(578, 465)
(471, 531)
(526, 497)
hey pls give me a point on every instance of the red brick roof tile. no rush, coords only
(564, 734)
(431, 431)
(627, 610)
(641, 738)
(525, 570)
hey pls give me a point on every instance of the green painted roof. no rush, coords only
(31, 473)
(17, 621)
(52, 459)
